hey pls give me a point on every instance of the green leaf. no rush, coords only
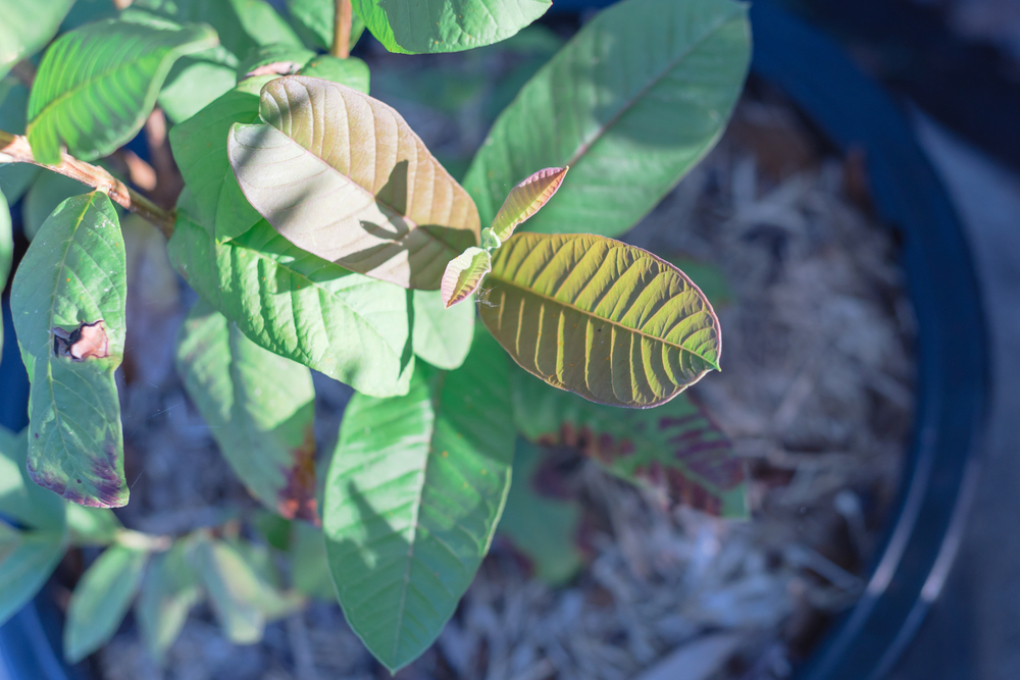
(199, 145)
(91, 526)
(170, 589)
(68, 303)
(232, 586)
(16, 178)
(49, 190)
(270, 600)
(542, 527)
(6, 247)
(609, 321)
(26, 561)
(463, 275)
(27, 27)
(196, 81)
(274, 59)
(309, 567)
(314, 20)
(639, 95)
(414, 492)
(348, 326)
(219, 14)
(397, 215)
(449, 26)
(97, 84)
(242, 598)
(675, 449)
(263, 23)
(351, 71)
(20, 499)
(275, 529)
(442, 336)
(101, 599)
(259, 406)
(86, 11)
(526, 199)
(710, 278)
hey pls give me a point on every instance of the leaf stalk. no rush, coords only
(16, 149)
(342, 29)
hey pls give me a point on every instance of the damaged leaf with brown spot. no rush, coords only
(259, 407)
(68, 301)
(675, 448)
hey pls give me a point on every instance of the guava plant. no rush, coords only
(321, 234)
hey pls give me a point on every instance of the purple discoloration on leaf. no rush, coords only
(106, 480)
(297, 498)
(675, 448)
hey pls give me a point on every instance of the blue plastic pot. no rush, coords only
(953, 360)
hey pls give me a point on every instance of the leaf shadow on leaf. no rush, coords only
(284, 282)
(397, 619)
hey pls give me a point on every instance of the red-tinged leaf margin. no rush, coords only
(526, 199)
(464, 274)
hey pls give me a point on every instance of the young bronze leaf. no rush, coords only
(342, 176)
(413, 495)
(68, 302)
(591, 315)
(259, 406)
(97, 84)
(464, 274)
(526, 199)
(675, 448)
(631, 103)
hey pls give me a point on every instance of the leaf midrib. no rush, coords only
(47, 109)
(585, 146)
(616, 324)
(49, 318)
(412, 226)
(434, 392)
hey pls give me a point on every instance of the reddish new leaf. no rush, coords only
(526, 199)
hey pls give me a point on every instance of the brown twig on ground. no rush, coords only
(17, 149)
(342, 30)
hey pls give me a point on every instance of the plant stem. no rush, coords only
(15, 148)
(342, 30)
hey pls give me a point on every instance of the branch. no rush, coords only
(342, 30)
(15, 148)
